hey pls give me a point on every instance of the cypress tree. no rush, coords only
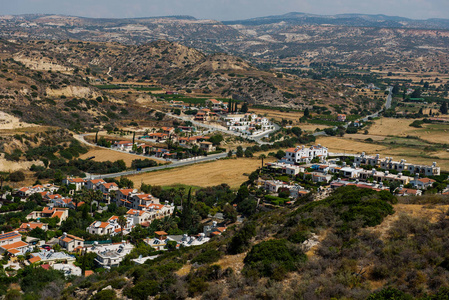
(443, 108)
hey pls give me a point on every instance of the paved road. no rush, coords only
(389, 98)
(172, 165)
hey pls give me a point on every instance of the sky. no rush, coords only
(225, 9)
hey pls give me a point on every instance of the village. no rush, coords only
(303, 171)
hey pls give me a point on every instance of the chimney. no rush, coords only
(386, 173)
(399, 175)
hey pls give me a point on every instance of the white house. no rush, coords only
(111, 227)
(422, 183)
(78, 182)
(302, 154)
(400, 166)
(94, 184)
(11, 242)
(70, 242)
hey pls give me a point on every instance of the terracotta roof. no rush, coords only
(18, 244)
(58, 214)
(13, 251)
(407, 191)
(78, 180)
(24, 189)
(160, 233)
(426, 180)
(88, 273)
(95, 181)
(32, 225)
(9, 235)
(109, 185)
(156, 206)
(46, 266)
(71, 237)
(34, 259)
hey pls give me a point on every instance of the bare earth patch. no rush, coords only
(8, 121)
(232, 261)
(112, 155)
(11, 166)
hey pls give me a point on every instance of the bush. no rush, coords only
(105, 295)
(207, 257)
(417, 124)
(273, 258)
(389, 293)
(143, 289)
(17, 176)
(298, 237)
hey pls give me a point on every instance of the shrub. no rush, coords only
(273, 258)
(105, 295)
(389, 293)
(17, 176)
(207, 257)
(143, 289)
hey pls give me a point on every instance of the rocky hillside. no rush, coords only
(345, 39)
(57, 71)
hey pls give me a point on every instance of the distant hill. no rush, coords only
(380, 20)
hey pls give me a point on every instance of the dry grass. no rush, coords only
(390, 126)
(184, 271)
(427, 212)
(340, 145)
(232, 261)
(312, 127)
(412, 155)
(278, 115)
(362, 137)
(111, 155)
(229, 171)
(434, 133)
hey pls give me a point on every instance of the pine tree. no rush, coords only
(134, 136)
(96, 137)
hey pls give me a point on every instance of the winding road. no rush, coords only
(364, 119)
